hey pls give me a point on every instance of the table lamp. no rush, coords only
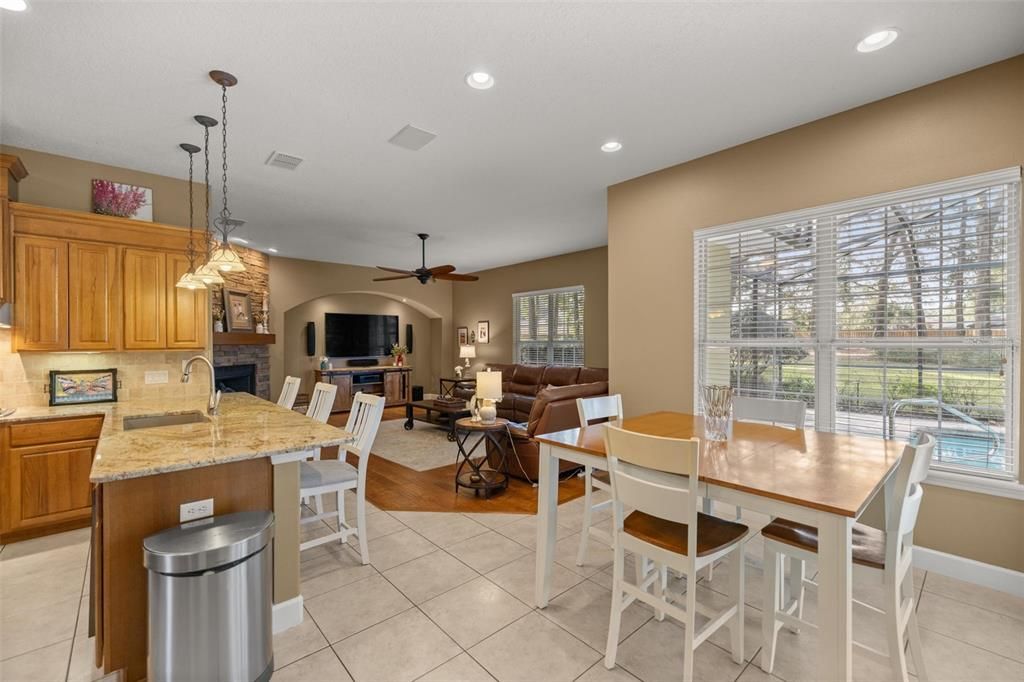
(467, 352)
(488, 389)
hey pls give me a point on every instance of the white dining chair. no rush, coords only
(321, 477)
(658, 478)
(591, 410)
(319, 409)
(886, 555)
(289, 391)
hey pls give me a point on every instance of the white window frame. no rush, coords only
(550, 343)
(824, 343)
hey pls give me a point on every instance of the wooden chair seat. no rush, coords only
(868, 542)
(713, 534)
(602, 476)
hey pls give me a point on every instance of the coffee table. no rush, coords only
(438, 415)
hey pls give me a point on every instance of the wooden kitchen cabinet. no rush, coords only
(145, 299)
(187, 319)
(44, 476)
(93, 293)
(41, 294)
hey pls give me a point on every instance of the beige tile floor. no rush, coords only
(448, 597)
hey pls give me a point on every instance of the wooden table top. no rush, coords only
(467, 424)
(830, 472)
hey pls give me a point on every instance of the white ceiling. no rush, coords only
(515, 172)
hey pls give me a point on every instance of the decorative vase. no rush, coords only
(399, 360)
(260, 329)
(218, 326)
(717, 403)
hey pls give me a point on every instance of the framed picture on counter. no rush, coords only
(238, 311)
(79, 386)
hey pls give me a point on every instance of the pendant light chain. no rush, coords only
(225, 214)
(206, 184)
(191, 253)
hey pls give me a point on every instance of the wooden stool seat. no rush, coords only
(868, 542)
(713, 534)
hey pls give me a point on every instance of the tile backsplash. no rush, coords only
(23, 376)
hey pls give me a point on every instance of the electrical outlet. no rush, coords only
(190, 511)
(156, 377)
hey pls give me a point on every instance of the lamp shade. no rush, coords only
(488, 385)
(225, 259)
(467, 351)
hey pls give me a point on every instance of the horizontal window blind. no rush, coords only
(548, 327)
(888, 315)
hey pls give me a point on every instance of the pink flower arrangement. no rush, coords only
(111, 198)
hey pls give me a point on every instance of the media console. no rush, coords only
(394, 383)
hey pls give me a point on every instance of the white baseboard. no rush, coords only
(969, 570)
(288, 614)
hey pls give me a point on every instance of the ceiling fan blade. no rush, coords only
(442, 270)
(409, 273)
(455, 277)
(388, 279)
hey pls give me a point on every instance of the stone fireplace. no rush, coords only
(237, 366)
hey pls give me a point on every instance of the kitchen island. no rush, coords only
(245, 458)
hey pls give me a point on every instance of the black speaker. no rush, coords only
(311, 339)
(362, 362)
(408, 337)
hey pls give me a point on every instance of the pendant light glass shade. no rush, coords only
(190, 281)
(225, 259)
(208, 275)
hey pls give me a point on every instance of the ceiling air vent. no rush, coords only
(286, 161)
(412, 138)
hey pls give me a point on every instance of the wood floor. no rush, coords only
(393, 487)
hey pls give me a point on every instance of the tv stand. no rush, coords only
(394, 383)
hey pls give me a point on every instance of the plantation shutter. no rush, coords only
(888, 316)
(549, 327)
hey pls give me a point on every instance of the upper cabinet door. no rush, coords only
(145, 299)
(94, 308)
(41, 294)
(186, 308)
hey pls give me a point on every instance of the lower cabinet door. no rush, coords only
(343, 398)
(393, 388)
(49, 484)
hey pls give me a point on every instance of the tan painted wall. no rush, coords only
(491, 299)
(294, 282)
(63, 182)
(297, 363)
(963, 125)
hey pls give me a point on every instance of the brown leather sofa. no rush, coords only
(544, 400)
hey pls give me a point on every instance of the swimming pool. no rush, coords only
(977, 450)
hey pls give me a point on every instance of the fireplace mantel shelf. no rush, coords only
(243, 339)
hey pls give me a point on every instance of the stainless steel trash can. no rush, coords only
(210, 611)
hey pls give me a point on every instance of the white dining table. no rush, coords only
(821, 479)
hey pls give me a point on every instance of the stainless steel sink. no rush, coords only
(153, 420)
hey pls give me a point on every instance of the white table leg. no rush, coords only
(835, 570)
(547, 517)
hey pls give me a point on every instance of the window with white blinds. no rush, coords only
(548, 327)
(888, 316)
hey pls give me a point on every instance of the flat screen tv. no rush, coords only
(348, 335)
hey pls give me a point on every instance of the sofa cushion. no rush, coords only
(591, 374)
(560, 376)
(552, 394)
(527, 380)
(523, 407)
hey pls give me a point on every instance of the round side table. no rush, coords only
(480, 476)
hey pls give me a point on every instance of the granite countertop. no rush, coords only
(246, 428)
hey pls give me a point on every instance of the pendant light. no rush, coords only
(188, 279)
(224, 257)
(205, 273)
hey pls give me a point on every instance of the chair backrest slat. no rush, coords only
(653, 474)
(364, 420)
(321, 402)
(600, 407)
(289, 391)
(907, 491)
(791, 413)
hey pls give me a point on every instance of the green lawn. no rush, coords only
(983, 388)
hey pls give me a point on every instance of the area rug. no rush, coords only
(425, 447)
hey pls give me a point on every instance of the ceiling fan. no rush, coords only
(425, 274)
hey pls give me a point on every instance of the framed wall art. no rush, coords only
(238, 311)
(79, 386)
(483, 331)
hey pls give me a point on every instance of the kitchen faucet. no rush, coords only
(211, 407)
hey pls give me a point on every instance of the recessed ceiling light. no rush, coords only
(271, 249)
(239, 240)
(13, 5)
(878, 40)
(479, 80)
(611, 146)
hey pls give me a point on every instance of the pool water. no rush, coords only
(977, 450)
